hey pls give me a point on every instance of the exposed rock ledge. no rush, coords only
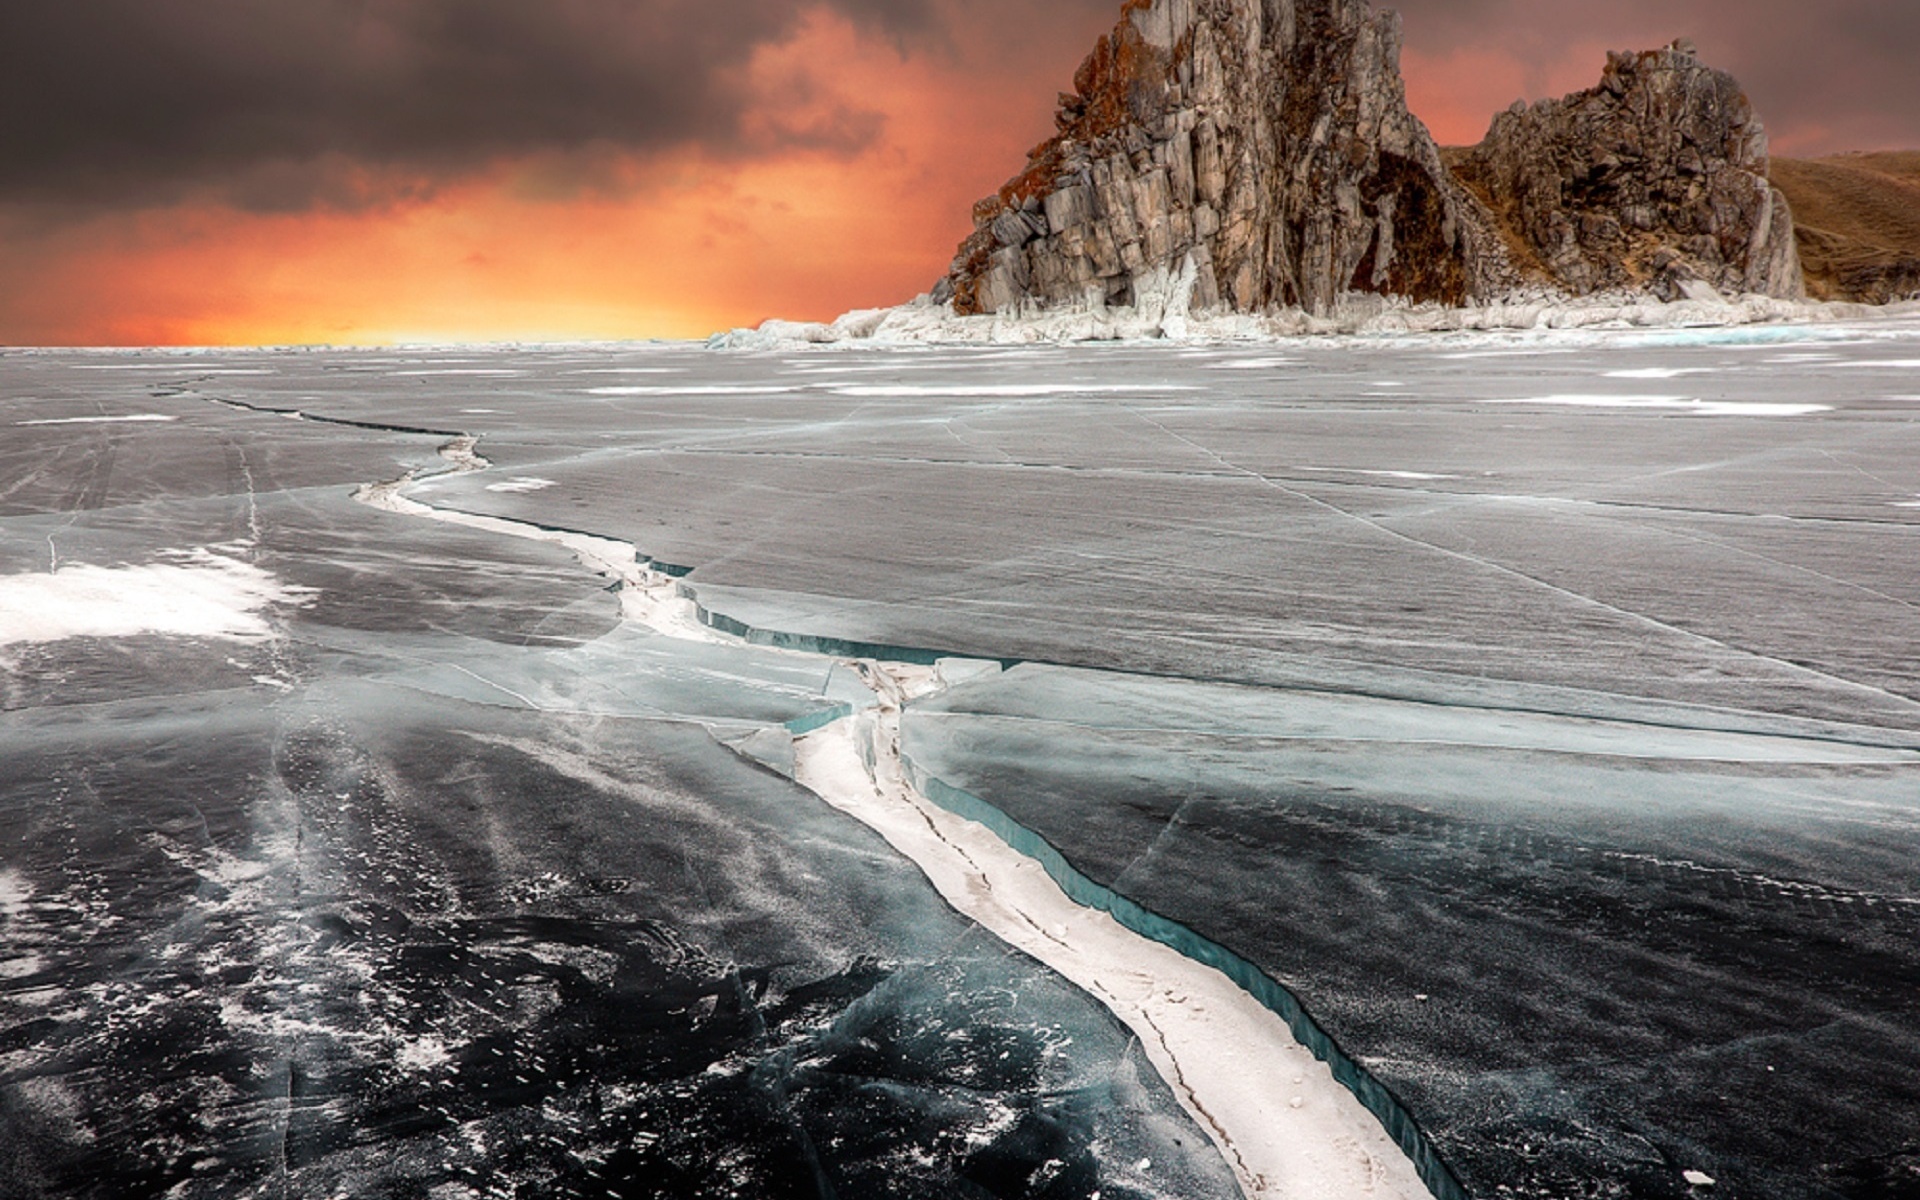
(1261, 152)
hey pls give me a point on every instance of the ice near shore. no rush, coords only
(1305, 654)
(1163, 311)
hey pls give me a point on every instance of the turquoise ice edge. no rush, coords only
(802, 725)
(829, 646)
(1383, 1104)
(1400, 1124)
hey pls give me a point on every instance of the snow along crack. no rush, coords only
(1325, 1149)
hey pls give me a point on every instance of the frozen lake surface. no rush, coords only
(1541, 712)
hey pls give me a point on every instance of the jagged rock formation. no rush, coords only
(1258, 152)
(1857, 220)
(1248, 155)
(1657, 176)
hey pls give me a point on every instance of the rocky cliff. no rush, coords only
(1657, 177)
(1247, 155)
(1258, 153)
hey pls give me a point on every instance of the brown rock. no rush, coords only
(1657, 177)
(1262, 149)
(1264, 146)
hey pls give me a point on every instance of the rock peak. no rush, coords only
(1259, 154)
(1655, 177)
(1261, 148)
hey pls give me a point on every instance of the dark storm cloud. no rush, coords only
(293, 104)
(1833, 74)
(282, 103)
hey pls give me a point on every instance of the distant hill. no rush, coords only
(1857, 219)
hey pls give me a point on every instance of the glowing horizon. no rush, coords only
(846, 182)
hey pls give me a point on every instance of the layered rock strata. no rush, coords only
(1657, 177)
(1250, 155)
(1253, 153)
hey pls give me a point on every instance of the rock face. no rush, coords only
(1249, 154)
(1657, 176)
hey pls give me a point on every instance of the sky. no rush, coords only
(378, 171)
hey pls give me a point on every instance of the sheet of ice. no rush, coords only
(1004, 389)
(1688, 404)
(487, 371)
(1294, 1134)
(194, 593)
(692, 389)
(1658, 372)
(1289, 1129)
(129, 418)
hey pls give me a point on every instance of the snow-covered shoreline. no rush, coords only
(1164, 314)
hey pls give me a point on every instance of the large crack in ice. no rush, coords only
(1292, 1114)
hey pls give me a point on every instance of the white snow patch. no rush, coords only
(1380, 473)
(197, 593)
(1003, 389)
(714, 389)
(1686, 404)
(1659, 372)
(1904, 364)
(14, 894)
(521, 483)
(129, 418)
(460, 371)
(1251, 364)
(423, 1054)
(627, 371)
(139, 366)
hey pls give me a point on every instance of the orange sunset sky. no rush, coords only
(359, 182)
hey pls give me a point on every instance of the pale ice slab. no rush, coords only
(1687, 404)
(722, 389)
(130, 418)
(1003, 389)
